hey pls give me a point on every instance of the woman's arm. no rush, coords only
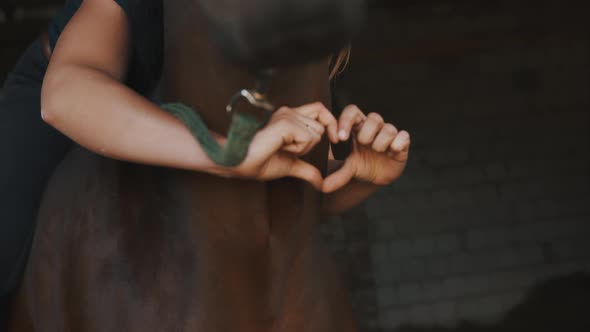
(84, 98)
(349, 196)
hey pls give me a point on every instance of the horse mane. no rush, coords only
(146, 24)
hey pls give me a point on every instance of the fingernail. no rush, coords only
(342, 134)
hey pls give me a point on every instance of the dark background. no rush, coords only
(488, 229)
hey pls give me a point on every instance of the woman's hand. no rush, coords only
(290, 133)
(379, 154)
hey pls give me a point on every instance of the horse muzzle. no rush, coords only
(275, 33)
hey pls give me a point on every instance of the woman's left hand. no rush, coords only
(379, 151)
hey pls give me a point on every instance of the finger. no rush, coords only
(311, 110)
(400, 147)
(339, 178)
(304, 139)
(319, 112)
(369, 129)
(300, 148)
(384, 138)
(401, 142)
(297, 149)
(351, 115)
(307, 172)
(327, 119)
(275, 136)
(311, 135)
(305, 116)
(312, 125)
(298, 129)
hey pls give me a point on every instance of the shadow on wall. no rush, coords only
(558, 305)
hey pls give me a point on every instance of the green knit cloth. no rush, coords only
(240, 134)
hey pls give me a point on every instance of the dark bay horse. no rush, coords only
(126, 247)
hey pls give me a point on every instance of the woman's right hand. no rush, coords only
(291, 132)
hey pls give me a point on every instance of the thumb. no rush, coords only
(307, 172)
(339, 178)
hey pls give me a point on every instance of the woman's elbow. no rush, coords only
(47, 115)
(52, 100)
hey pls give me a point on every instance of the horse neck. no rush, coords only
(196, 74)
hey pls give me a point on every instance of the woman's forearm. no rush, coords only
(103, 115)
(348, 197)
